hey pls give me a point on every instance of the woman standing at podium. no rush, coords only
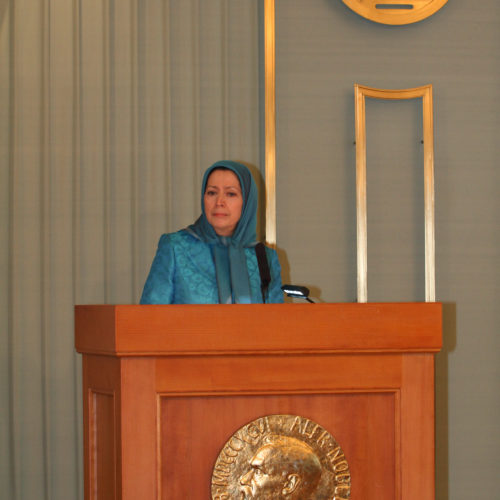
(215, 260)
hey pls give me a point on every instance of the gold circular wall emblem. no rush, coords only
(281, 457)
(395, 11)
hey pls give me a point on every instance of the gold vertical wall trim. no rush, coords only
(167, 120)
(134, 140)
(424, 92)
(196, 102)
(225, 78)
(430, 264)
(270, 119)
(361, 229)
(77, 149)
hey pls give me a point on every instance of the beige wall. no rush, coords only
(323, 48)
(112, 109)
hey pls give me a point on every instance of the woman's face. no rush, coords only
(223, 201)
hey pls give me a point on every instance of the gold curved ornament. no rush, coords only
(281, 456)
(395, 11)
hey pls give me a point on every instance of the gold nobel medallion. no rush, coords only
(395, 11)
(281, 457)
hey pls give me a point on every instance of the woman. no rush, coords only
(214, 261)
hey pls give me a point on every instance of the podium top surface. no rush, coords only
(172, 330)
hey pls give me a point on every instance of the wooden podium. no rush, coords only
(164, 388)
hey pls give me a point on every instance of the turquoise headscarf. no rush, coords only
(228, 252)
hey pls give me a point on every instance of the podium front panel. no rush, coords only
(155, 423)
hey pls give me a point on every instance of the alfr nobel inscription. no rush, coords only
(281, 457)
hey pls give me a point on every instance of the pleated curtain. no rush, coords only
(110, 110)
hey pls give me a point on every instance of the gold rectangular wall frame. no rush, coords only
(425, 92)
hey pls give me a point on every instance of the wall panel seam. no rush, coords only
(14, 470)
(107, 117)
(75, 239)
(45, 226)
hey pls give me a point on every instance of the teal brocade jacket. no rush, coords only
(183, 272)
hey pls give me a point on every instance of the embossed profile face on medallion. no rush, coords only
(281, 457)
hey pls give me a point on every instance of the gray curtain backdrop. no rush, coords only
(111, 110)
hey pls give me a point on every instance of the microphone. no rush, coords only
(300, 292)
